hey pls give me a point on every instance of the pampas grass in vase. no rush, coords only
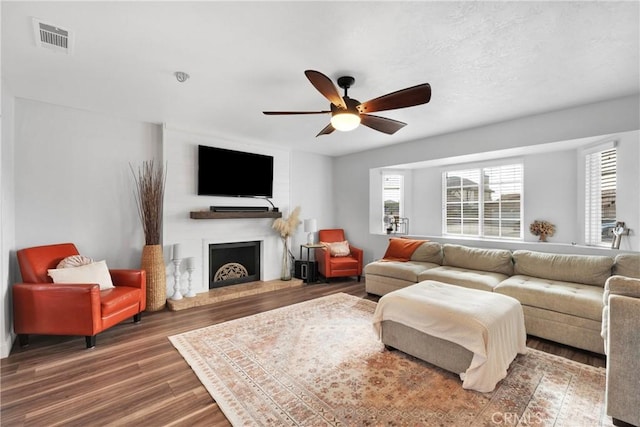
(149, 192)
(286, 227)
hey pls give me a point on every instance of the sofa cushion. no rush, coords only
(400, 249)
(559, 296)
(397, 269)
(627, 265)
(96, 272)
(584, 269)
(494, 260)
(428, 252)
(474, 279)
(337, 249)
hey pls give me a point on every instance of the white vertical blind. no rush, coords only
(600, 194)
(592, 199)
(392, 195)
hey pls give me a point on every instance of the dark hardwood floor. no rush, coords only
(134, 376)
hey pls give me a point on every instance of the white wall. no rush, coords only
(73, 181)
(312, 190)
(7, 220)
(66, 178)
(617, 116)
(300, 179)
(549, 194)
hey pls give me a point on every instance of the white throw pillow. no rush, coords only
(338, 248)
(96, 272)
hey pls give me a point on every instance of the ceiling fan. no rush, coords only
(347, 113)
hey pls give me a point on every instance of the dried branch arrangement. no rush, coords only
(149, 191)
(286, 227)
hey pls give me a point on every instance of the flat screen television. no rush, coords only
(223, 172)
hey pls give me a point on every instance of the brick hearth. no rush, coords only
(231, 292)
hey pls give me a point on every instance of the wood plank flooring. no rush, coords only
(134, 376)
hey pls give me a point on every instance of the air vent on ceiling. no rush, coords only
(52, 37)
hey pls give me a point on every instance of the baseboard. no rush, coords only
(7, 345)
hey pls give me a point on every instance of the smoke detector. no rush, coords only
(52, 37)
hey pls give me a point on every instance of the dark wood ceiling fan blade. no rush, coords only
(326, 131)
(325, 86)
(276, 113)
(415, 95)
(381, 124)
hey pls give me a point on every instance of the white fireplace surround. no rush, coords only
(179, 148)
(198, 248)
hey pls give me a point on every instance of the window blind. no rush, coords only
(392, 193)
(600, 195)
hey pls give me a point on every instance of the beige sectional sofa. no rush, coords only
(561, 295)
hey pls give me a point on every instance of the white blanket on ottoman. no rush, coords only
(489, 325)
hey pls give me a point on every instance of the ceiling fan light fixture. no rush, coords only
(345, 121)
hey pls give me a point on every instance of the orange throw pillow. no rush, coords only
(401, 249)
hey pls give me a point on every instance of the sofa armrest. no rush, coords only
(59, 309)
(131, 278)
(616, 286)
(623, 364)
(358, 254)
(621, 285)
(322, 255)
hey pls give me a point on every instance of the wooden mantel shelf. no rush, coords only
(230, 215)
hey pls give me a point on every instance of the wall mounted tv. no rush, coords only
(223, 172)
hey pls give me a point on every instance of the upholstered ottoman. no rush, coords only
(470, 332)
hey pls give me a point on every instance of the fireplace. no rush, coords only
(233, 263)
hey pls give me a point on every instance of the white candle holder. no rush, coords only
(176, 278)
(190, 293)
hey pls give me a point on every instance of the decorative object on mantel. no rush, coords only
(310, 226)
(149, 191)
(542, 229)
(177, 260)
(286, 227)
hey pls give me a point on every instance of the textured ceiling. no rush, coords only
(485, 61)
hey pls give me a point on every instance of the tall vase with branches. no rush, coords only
(286, 227)
(150, 182)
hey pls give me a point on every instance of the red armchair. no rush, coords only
(338, 266)
(45, 308)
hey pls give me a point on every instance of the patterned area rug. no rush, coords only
(320, 363)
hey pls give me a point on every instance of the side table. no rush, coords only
(309, 246)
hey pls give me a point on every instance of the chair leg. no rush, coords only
(137, 317)
(358, 278)
(23, 340)
(90, 340)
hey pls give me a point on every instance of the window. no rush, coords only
(392, 195)
(600, 195)
(484, 202)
